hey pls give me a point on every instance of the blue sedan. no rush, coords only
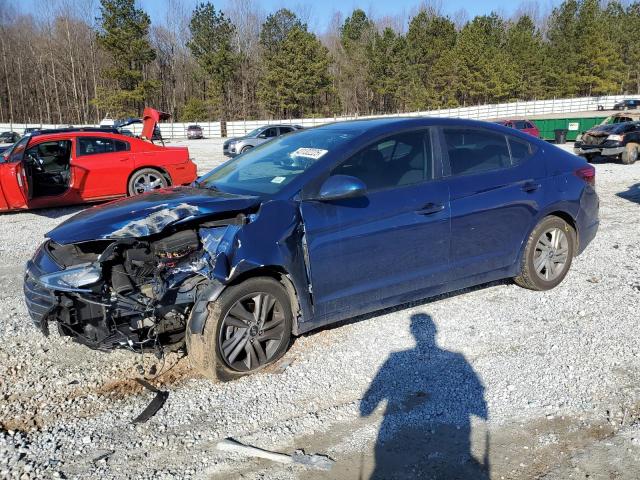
(310, 229)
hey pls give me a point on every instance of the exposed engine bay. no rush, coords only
(132, 293)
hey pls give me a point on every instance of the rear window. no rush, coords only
(521, 150)
(98, 145)
(475, 150)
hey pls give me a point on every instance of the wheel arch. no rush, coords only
(215, 289)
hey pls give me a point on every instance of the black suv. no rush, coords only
(627, 105)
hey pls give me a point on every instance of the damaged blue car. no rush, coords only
(310, 229)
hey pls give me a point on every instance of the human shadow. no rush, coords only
(632, 193)
(431, 394)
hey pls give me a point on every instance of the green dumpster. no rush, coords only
(574, 126)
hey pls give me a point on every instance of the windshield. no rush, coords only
(15, 153)
(254, 132)
(268, 168)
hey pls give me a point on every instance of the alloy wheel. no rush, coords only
(147, 182)
(551, 254)
(252, 332)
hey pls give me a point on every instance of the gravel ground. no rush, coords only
(535, 385)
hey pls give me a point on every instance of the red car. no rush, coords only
(526, 126)
(50, 168)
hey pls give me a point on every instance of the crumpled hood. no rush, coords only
(148, 214)
(602, 129)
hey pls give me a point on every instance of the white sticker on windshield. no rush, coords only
(314, 153)
(278, 179)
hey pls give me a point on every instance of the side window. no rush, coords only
(284, 130)
(94, 145)
(402, 159)
(521, 125)
(121, 146)
(529, 125)
(521, 150)
(18, 150)
(50, 154)
(271, 132)
(474, 150)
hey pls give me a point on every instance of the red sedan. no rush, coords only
(526, 126)
(51, 168)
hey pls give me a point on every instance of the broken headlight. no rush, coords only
(72, 279)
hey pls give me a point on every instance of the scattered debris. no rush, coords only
(321, 462)
(103, 456)
(155, 405)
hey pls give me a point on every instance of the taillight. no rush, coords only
(588, 174)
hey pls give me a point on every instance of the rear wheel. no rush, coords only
(146, 180)
(630, 155)
(547, 255)
(248, 327)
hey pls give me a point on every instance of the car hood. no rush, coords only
(149, 214)
(606, 129)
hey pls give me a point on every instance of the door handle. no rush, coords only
(530, 187)
(430, 208)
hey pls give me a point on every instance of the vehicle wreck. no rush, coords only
(136, 287)
(307, 230)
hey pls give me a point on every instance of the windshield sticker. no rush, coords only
(314, 153)
(278, 179)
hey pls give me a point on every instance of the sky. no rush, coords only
(320, 12)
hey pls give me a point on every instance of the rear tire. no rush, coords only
(146, 180)
(238, 340)
(547, 255)
(630, 155)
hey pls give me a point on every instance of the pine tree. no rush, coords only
(528, 55)
(211, 45)
(296, 81)
(123, 35)
(429, 39)
(276, 28)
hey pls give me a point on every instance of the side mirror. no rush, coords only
(337, 187)
(262, 135)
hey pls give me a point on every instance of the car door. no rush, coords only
(497, 188)
(101, 166)
(392, 243)
(14, 183)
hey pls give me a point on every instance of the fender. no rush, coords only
(270, 242)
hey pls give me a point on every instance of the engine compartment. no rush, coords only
(143, 298)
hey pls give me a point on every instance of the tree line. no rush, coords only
(75, 61)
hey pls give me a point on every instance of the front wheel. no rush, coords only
(146, 180)
(630, 154)
(547, 255)
(246, 148)
(248, 327)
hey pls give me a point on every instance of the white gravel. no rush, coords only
(558, 372)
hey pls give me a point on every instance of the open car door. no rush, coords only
(15, 181)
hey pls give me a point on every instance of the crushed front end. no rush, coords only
(133, 293)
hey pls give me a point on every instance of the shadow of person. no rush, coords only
(431, 395)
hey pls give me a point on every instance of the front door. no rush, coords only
(387, 246)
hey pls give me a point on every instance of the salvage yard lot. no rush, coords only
(537, 384)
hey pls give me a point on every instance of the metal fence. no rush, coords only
(171, 130)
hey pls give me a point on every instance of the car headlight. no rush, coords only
(616, 138)
(72, 279)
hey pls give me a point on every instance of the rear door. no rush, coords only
(391, 243)
(101, 166)
(497, 189)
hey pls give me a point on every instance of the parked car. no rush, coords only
(4, 147)
(70, 166)
(627, 105)
(29, 130)
(310, 229)
(236, 146)
(614, 141)
(194, 132)
(526, 126)
(9, 137)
